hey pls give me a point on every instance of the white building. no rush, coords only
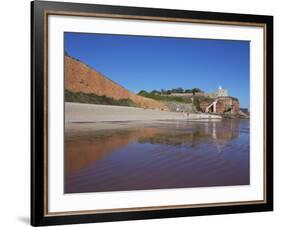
(221, 92)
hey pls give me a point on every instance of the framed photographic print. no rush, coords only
(142, 113)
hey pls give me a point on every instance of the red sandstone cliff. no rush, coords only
(81, 78)
(224, 104)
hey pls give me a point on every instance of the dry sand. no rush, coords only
(86, 113)
(90, 117)
(77, 112)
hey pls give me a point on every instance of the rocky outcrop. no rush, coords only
(204, 104)
(81, 78)
(224, 104)
(228, 104)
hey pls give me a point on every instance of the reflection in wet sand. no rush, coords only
(158, 155)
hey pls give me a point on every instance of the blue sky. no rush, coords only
(148, 63)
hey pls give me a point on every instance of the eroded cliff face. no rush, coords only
(81, 78)
(224, 104)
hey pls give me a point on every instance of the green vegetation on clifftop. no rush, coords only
(165, 98)
(81, 97)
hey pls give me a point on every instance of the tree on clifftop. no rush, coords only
(143, 93)
(195, 90)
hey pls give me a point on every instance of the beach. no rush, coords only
(78, 112)
(88, 117)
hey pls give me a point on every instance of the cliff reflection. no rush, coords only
(219, 132)
(88, 149)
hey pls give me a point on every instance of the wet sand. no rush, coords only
(156, 154)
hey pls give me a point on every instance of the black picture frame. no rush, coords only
(39, 121)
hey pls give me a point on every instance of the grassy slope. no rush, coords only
(166, 98)
(81, 97)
